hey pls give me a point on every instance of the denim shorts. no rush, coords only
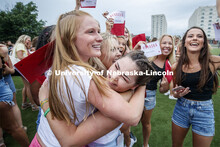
(8, 79)
(6, 94)
(199, 114)
(150, 100)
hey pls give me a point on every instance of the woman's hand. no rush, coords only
(180, 93)
(109, 24)
(164, 85)
(138, 45)
(78, 4)
(8, 70)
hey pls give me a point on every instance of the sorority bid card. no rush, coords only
(152, 49)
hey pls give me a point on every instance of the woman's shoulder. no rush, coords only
(20, 46)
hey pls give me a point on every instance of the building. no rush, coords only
(158, 25)
(205, 17)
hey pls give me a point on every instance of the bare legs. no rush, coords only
(26, 92)
(9, 124)
(179, 134)
(125, 129)
(17, 112)
(146, 126)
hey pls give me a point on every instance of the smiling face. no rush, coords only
(194, 41)
(166, 45)
(88, 38)
(126, 34)
(28, 43)
(122, 82)
(122, 43)
(110, 52)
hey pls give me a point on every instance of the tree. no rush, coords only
(22, 19)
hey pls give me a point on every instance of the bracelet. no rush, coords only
(45, 113)
(43, 102)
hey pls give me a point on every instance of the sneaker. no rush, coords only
(34, 107)
(2, 144)
(172, 97)
(25, 106)
(25, 128)
(167, 93)
(133, 139)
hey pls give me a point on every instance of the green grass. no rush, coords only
(215, 51)
(160, 121)
(161, 124)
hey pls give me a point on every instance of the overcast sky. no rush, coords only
(137, 12)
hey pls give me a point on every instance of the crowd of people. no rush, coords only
(97, 110)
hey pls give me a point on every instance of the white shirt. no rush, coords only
(79, 99)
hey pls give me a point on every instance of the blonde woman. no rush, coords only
(20, 51)
(158, 62)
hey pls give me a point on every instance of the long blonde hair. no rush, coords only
(66, 54)
(21, 40)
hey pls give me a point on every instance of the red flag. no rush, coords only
(136, 39)
(35, 65)
(168, 71)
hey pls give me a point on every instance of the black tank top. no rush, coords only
(152, 85)
(191, 80)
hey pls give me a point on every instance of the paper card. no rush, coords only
(118, 16)
(137, 38)
(217, 31)
(88, 4)
(152, 49)
(119, 22)
(118, 29)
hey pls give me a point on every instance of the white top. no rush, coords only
(109, 137)
(79, 100)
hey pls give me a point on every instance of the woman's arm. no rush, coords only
(216, 60)
(89, 130)
(20, 54)
(115, 107)
(9, 68)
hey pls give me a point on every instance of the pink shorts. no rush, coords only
(34, 142)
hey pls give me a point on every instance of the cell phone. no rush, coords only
(178, 88)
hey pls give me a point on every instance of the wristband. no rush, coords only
(45, 113)
(43, 102)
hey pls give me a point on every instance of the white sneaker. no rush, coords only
(133, 139)
(172, 97)
(167, 93)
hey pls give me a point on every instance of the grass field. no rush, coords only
(161, 120)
